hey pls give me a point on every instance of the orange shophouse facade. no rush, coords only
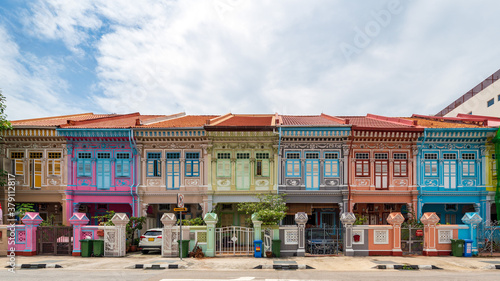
(382, 167)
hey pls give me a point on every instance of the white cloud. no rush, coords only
(265, 56)
(31, 85)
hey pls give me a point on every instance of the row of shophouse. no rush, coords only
(324, 165)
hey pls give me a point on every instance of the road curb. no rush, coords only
(156, 266)
(283, 266)
(36, 265)
(493, 266)
(406, 267)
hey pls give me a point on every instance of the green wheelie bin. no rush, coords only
(86, 247)
(98, 248)
(276, 248)
(457, 247)
(185, 248)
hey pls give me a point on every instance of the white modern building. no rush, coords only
(483, 99)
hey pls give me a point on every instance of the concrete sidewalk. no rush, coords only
(330, 263)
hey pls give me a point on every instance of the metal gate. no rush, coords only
(234, 240)
(412, 240)
(54, 240)
(488, 237)
(324, 241)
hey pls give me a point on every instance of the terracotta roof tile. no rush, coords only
(432, 122)
(189, 121)
(368, 122)
(308, 120)
(247, 121)
(57, 120)
(117, 121)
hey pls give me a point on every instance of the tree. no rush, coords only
(4, 124)
(270, 209)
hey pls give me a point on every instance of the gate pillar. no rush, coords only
(32, 220)
(348, 219)
(168, 235)
(396, 219)
(301, 220)
(472, 219)
(257, 227)
(120, 221)
(77, 220)
(429, 220)
(211, 220)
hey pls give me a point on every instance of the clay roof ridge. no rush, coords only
(335, 118)
(475, 121)
(217, 120)
(97, 120)
(477, 117)
(161, 118)
(394, 120)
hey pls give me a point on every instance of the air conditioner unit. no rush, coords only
(83, 209)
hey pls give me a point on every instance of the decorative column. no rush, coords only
(32, 220)
(211, 220)
(168, 248)
(472, 219)
(120, 220)
(396, 219)
(429, 220)
(77, 220)
(257, 227)
(348, 219)
(301, 220)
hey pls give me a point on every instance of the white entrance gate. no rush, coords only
(234, 240)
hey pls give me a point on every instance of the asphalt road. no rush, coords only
(271, 275)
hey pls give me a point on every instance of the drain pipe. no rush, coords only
(279, 160)
(419, 175)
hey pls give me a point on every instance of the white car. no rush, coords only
(150, 240)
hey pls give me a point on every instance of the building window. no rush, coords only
(494, 165)
(84, 164)
(36, 155)
(490, 102)
(173, 167)
(192, 164)
(362, 164)
(331, 164)
(498, 97)
(242, 155)
(122, 166)
(293, 164)
(17, 163)
(469, 164)
(103, 166)
(430, 164)
(223, 164)
(262, 164)
(54, 164)
(312, 155)
(400, 165)
(154, 164)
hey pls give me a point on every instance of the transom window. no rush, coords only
(293, 155)
(103, 155)
(192, 155)
(312, 155)
(54, 155)
(85, 155)
(362, 156)
(17, 155)
(223, 155)
(381, 156)
(122, 156)
(331, 155)
(173, 155)
(430, 156)
(36, 155)
(400, 156)
(468, 156)
(449, 156)
(242, 155)
(262, 155)
(154, 155)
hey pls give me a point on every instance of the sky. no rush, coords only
(387, 57)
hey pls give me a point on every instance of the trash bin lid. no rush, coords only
(257, 241)
(468, 240)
